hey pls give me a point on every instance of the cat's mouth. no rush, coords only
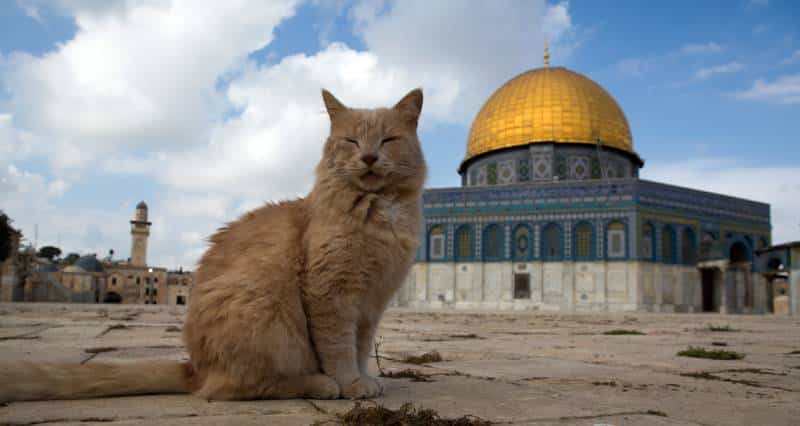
(371, 178)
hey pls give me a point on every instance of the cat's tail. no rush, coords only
(26, 381)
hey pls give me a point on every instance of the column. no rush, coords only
(723, 290)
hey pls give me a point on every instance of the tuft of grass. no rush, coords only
(466, 336)
(173, 329)
(721, 328)
(414, 375)
(721, 355)
(657, 413)
(432, 356)
(719, 344)
(623, 332)
(406, 415)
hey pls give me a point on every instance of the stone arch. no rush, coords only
(493, 242)
(739, 253)
(552, 242)
(464, 249)
(436, 243)
(616, 239)
(522, 243)
(583, 241)
(112, 297)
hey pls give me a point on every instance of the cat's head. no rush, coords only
(374, 150)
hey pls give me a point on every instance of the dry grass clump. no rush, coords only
(721, 328)
(698, 352)
(432, 356)
(414, 375)
(406, 415)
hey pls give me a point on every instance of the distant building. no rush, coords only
(551, 215)
(90, 280)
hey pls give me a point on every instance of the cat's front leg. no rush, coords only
(335, 338)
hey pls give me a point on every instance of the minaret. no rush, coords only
(140, 230)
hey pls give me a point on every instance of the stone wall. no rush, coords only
(553, 286)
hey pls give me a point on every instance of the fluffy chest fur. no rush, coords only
(363, 250)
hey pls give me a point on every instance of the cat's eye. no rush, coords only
(389, 139)
(353, 141)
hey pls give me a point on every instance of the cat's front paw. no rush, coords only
(363, 387)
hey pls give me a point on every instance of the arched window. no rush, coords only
(646, 242)
(739, 253)
(464, 243)
(667, 244)
(688, 247)
(436, 243)
(492, 243)
(615, 240)
(583, 241)
(523, 249)
(552, 242)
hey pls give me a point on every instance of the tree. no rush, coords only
(5, 236)
(71, 258)
(49, 252)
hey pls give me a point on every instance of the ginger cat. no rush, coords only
(288, 297)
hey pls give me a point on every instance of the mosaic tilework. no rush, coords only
(579, 167)
(505, 172)
(561, 169)
(595, 169)
(542, 167)
(523, 169)
(491, 173)
(482, 176)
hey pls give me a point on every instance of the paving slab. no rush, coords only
(509, 368)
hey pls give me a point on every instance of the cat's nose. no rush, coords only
(369, 159)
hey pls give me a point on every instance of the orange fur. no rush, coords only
(287, 298)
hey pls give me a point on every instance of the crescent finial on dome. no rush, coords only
(546, 54)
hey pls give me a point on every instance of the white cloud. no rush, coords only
(137, 91)
(777, 185)
(135, 75)
(701, 48)
(784, 90)
(730, 67)
(462, 51)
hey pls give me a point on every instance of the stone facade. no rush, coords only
(622, 244)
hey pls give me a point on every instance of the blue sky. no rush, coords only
(205, 110)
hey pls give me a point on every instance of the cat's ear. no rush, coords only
(333, 105)
(411, 105)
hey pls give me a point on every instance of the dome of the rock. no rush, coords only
(549, 105)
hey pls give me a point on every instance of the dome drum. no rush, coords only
(548, 162)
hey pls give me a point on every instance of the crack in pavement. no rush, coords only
(709, 376)
(587, 417)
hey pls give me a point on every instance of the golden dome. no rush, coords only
(549, 105)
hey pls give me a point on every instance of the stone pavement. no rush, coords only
(513, 368)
